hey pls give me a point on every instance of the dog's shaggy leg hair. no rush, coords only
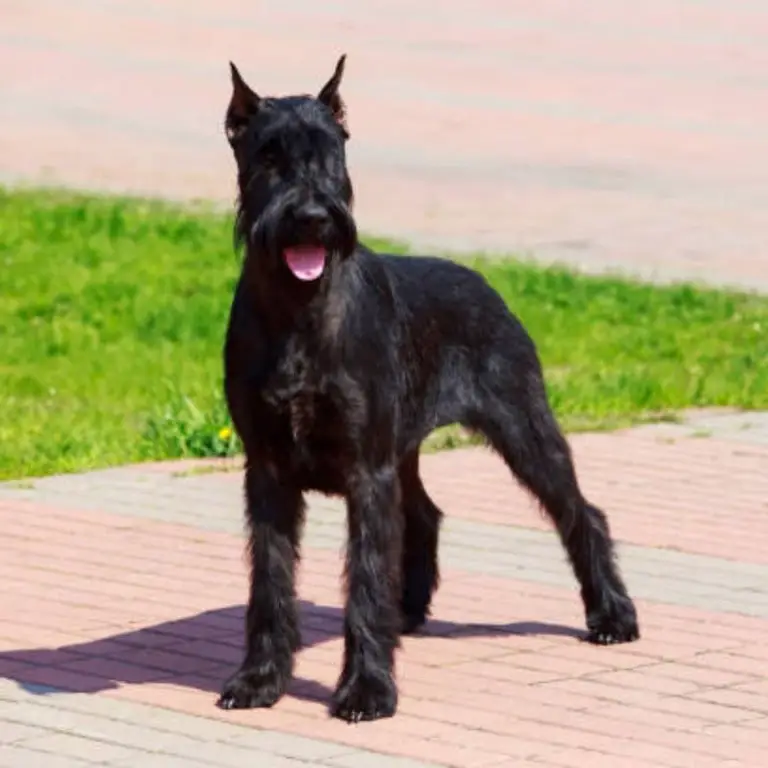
(523, 430)
(366, 689)
(275, 515)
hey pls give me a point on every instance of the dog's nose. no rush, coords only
(312, 213)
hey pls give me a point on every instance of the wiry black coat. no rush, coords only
(333, 385)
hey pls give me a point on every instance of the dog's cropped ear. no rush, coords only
(329, 95)
(242, 106)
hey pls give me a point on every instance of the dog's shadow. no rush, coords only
(180, 652)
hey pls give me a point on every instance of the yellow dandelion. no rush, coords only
(225, 433)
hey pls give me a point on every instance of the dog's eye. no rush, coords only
(268, 155)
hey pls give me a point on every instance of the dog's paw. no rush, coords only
(614, 624)
(364, 698)
(252, 687)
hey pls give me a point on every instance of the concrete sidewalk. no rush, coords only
(122, 613)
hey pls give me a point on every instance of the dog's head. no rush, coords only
(295, 194)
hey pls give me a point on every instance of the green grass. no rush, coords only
(112, 313)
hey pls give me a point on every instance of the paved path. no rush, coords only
(122, 612)
(607, 135)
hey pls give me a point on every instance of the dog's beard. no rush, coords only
(307, 256)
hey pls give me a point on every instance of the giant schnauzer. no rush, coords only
(338, 363)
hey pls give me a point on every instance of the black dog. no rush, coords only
(339, 362)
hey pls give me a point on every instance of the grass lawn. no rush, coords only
(112, 313)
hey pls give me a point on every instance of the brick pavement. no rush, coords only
(122, 608)
(602, 134)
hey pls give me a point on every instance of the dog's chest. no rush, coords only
(295, 393)
(318, 441)
(306, 416)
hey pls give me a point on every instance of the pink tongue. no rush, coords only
(307, 262)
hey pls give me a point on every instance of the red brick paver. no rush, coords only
(722, 512)
(602, 134)
(150, 612)
(131, 607)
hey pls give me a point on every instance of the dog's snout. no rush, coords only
(312, 213)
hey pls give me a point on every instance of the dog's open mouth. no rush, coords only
(307, 262)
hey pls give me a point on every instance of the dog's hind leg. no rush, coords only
(275, 514)
(520, 425)
(420, 538)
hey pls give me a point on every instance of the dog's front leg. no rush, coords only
(275, 514)
(366, 689)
